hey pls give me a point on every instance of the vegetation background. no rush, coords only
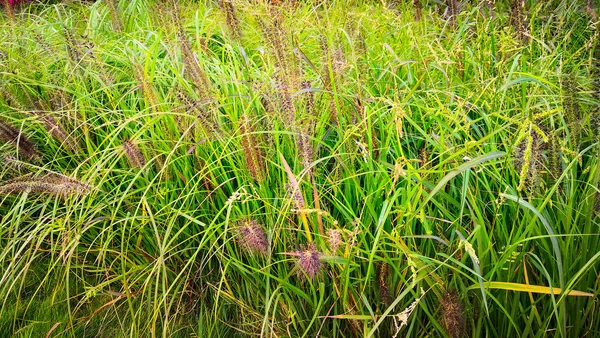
(299, 168)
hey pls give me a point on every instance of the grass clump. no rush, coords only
(233, 168)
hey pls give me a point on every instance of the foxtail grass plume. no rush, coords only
(453, 312)
(53, 184)
(74, 48)
(309, 261)
(384, 290)
(518, 18)
(305, 149)
(252, 236)
(8, 9)
(134, 156)
(527, 157)
(54, 128)
(146, 85)
(10, 134)
(192, 68)
(231, 17)
(572, 110)
(288, 73)
(251, 150)
(334, 239)
(334, 66)
(204, 119)
(554, 158)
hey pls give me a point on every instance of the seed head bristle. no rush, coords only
(57, 185)
(384, 290)
(453, 312)
(134, 156)
(231, 17)
(146, 86)
(251, 150)
(334, 239)
(10, 134)
(252, 236)
(194, 72)
(309, 261)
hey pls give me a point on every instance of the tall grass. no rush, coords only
(233, 168)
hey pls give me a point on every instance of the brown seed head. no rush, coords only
(10, 134)
(57, 185)
(134, 156)
(453, 312)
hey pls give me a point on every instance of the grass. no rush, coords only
(302, 169)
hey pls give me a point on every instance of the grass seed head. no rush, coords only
(231, 17)
(309, 261)
(384, 290)
(453, 312)
(10, 134)
(134, 156)
(527, 160)
(334, 239)
(251, 150)
(253, 237)
(518, 18)
(194, 72)
(56, 185)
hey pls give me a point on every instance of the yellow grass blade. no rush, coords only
(530, 288)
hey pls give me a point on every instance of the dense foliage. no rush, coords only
(376, 169)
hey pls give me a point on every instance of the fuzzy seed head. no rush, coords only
(454, 319)
(334, 239)
(10, 134)
(253, 237)
(134, 156)
(309, 261)
(252, 152)
(57, 185)
(192, 69)
(231, 17)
